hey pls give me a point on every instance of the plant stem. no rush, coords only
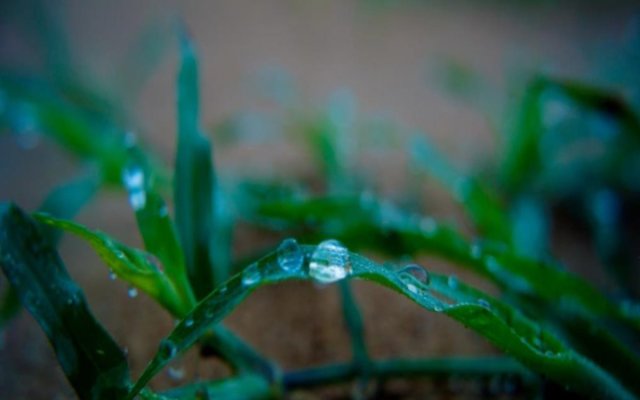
(404, 368)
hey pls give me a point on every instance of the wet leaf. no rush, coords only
(94, 364)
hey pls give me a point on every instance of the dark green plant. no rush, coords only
(550, 324)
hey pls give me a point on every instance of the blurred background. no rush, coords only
(386, 70)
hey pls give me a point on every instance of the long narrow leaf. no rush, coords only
(499, 323)
(194, 183)
(94, 364)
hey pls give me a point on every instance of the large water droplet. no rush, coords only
(329, 262)
(132, 292)
(290, 256)
(251, 275)
(414, 277)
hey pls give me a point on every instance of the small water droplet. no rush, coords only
(130, 139)
(223, 290)
(492, 264)
(176, 373)
(484, 303)
(452, 282)
(290, 256)
(329, 262)
(163, 211)
(132, 292)
(414, 277)
(112, 276)
(428, 226)
(188, 322)
(133, 179)
(167, 349)
(476, 251)
(251, 275)
(137, 199)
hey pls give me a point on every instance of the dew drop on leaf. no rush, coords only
(112, 276)
(414, 276)
(290, 256)
(251, 275)
(132, 292)
(133, 180)
(167, 349)
(484, 303)
(329, 262)
(452, 282)
(188, 322)
(176, 373)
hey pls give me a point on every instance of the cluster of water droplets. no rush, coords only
(134, 181)
(329, 262)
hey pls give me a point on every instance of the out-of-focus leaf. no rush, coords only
(389, 230)
(94, 364)
(194, 182)
(482, 205)
(132, 265)
(499, 323)
(67, 199)
(242, 387)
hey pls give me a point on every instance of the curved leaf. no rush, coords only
(498, 322)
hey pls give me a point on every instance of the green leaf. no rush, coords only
(237, 388)
(131, 265)
(194, 182)
(483, 205)
(94, 364)
(66, 200)
(161, 240)
(498, 322)
(390, 231)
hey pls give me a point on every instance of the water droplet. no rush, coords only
(290, 256)
(251, 275)
(452, 282)
(492, 264)
(133, 179)
(163, 211)
(176, 374)
(415, 277)
(167, 349)
(188, 322)
(484, 303)
(112, 276)
(137, 199)
(130, 139)
(476, 251)
(428, 226)
(329, 262)
(132, 292)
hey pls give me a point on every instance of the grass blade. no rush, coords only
(498, 322)
(94, 364)
(194, 183)
(131, 265)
